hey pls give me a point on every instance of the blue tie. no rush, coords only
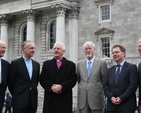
(117, 74)
(89, 67)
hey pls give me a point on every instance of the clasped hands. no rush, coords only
(56, 88)
(116, 100)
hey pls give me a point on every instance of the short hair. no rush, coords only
(88, 43)
(25, 42)
(139, 40)
(63, 46)
(122, 48)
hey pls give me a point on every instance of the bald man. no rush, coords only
(4, 68)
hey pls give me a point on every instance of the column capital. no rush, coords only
(30, 13)
(4, 19)
(74, 12)
(61, 8)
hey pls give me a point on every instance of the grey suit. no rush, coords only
(90, 88)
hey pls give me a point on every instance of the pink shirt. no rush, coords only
(59, 63)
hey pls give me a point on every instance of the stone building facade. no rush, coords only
(105, 22)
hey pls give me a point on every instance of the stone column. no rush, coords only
(30, 25)
(60, 22)
(4, 32)
(73, 45)
(73, 41)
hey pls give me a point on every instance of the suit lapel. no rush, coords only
(23, 65)
(122, 71)
(95, 63)
(53, 62)
(2, 70)
(112, 77)
(64, 63)
(84, 67)
(139, 68)
(33, 69)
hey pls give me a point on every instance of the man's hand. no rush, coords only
(116, 100)
(56, 88)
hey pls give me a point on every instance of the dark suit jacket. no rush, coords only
(66, 76)
(139, 71)
(5, 69)
(20, 84)
(125, 88)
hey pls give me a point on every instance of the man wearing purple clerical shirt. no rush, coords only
(58, 77)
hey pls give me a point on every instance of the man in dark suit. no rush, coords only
(4, 69)
(121, 83)
(58, 77)
(23, 81)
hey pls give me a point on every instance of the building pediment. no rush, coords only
(104, 31)
(103, 1)
(97, 2)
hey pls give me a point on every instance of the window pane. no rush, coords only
(52, 33)
(24, 33)
(105, 47)
(105, 12)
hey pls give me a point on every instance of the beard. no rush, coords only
(89, 56)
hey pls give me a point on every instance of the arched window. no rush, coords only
(23, 35)
(52, 34)
(24, 32)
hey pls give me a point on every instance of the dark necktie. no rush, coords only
(117, 73)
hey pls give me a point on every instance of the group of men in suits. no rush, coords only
(59, 75)
(21, 77)
(118, 83)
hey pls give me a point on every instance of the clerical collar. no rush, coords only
(59, 60)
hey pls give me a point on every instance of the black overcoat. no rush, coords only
(66, 76)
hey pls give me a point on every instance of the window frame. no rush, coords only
(100, 13)
(49, 41)
(21, 35)
(101, 48)
(48, 35)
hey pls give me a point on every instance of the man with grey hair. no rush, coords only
(23, 80)
(58, 77)
(91, 72)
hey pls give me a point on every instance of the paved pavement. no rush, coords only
(73, 112)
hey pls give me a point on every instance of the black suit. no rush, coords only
(21, 86)
(139, 71)
(66, 76)
(4, 73)
(125, 87)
